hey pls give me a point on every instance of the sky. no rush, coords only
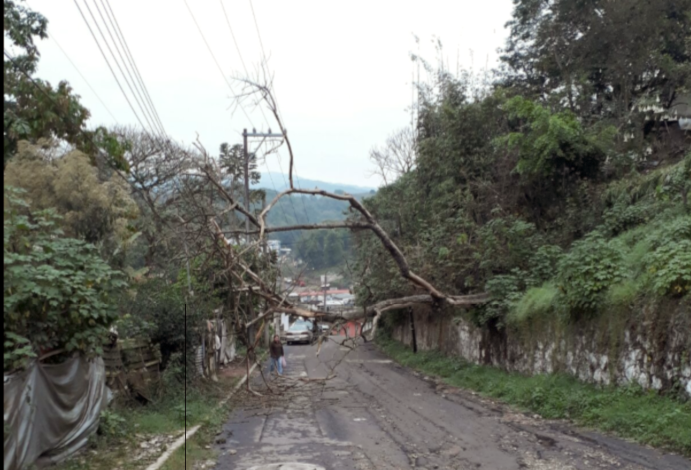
(342, 71)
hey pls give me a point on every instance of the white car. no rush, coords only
(299, 332)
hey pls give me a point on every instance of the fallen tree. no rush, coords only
(210, 224)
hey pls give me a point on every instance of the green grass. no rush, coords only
(629, 412)
(535, 302)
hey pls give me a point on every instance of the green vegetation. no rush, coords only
(102, 232)
(57, 291)
(559, 189)
(319, 249)
(323, 248)
(629, 412)
(34, 109)
(123, 428)
(553, 188)
(536, 301)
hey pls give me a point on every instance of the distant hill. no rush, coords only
(279, 182)
(304, 209)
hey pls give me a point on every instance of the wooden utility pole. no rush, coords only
(247, 184)
(245, 136)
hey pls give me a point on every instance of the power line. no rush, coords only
(128, 53)
(42, 90)
(261, 43)
(93, 35)
(147, 114)
(242, 60)
(232, 34)
(276, 190)
(273, 91)
(216, 61)
(302, 196)
(237, 47)
(289, 198)
(244, 65)
(52, 36)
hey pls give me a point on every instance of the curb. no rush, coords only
(181, 440)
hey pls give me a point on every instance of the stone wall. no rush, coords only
(650, 346)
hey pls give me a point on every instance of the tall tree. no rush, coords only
(601, 58)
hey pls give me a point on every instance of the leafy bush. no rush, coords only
(504, 291)
(111, 424)
(624, 216)
(670, 267)
(57, 292)
(590, 267)
(543, 264)
(549, 143)
(506, 243)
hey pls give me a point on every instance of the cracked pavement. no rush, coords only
(375, 414)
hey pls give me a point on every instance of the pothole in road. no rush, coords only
(288, 466)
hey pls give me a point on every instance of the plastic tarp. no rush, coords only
(51, 410)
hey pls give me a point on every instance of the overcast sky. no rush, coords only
(342, 69)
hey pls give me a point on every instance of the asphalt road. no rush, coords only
(375, 414)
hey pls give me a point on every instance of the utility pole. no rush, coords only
(247, 184)
(326, 286)
(245, 136)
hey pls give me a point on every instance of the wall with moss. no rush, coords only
(648, 344)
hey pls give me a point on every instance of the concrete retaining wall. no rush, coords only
(650, 346)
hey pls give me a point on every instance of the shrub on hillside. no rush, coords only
(590, 267)
(670, 267)
(58, 292)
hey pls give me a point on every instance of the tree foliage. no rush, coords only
(538, 189)
(33, 108)
(96, 208)
(58, 293)
(552, 145)
(600, 59)
(323, 248)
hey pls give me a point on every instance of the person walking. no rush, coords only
(276, 352)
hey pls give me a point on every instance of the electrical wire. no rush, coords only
(232, 34)
(237, 48)
(273, 91)
(294, 236)
(128, 53)
(264, 61)
(145, 112)
(285, 182)
(93, 35)
(136, 92)
(216, 62)
(40, 88)
(52, 36)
